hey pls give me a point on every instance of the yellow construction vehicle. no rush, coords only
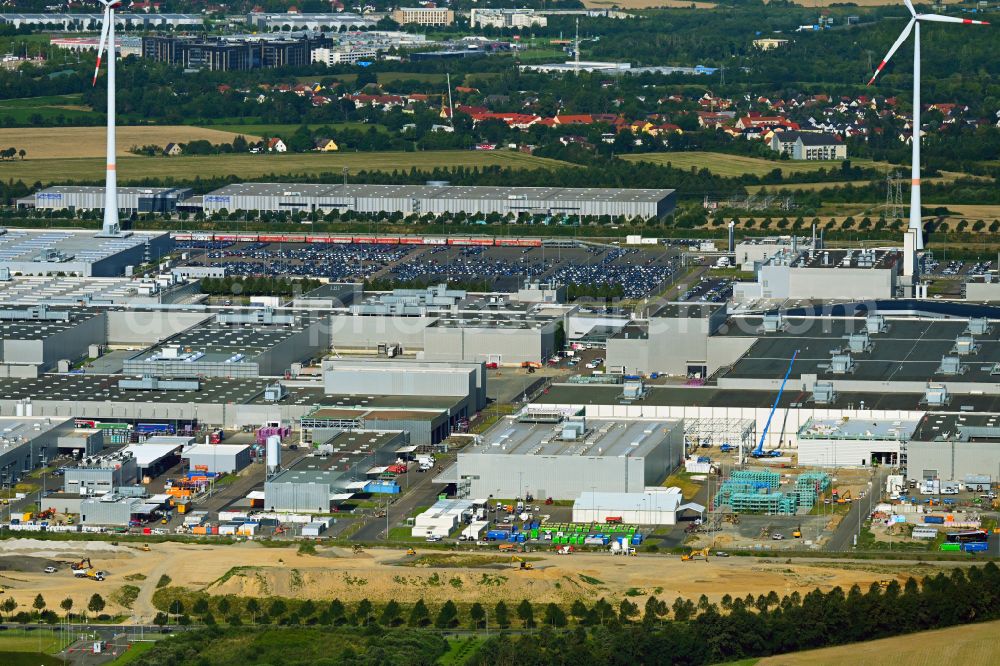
(524, 566)
(145, 548)
(884, 583)
(696, 554)
(410, 551)
(797, 532)
(80, 568)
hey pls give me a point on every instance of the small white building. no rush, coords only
(218, 458)
(852, 443)
(652, 507)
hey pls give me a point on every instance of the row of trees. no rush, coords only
(690, 632)
(11, 153)
(42, 613)
(257, 286)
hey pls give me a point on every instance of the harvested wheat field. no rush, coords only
(63, 142)
(381, 574)
(968, 644)
(247, 166)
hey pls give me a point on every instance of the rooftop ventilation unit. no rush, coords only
(979, 326)
(950, 365)
(823, 393)
(573, 430)
(859, 343)
(965, 345)
(633, 390)
(149, 383)
(936, 395)
(265, 316)
(773, 323)
(875, 324)
(37, 313)
(275, 392)
(842, 364)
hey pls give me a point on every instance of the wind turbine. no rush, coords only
(111, 227)
(914, 27)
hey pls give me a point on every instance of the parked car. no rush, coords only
(50, 569)
(777, 536)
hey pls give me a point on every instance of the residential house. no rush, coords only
(715, 119)
(325, 145)
(576, 140)
(809, 146)
(276, 145)
(172, 149)
(579, 119)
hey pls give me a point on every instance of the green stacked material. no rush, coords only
(756, 476)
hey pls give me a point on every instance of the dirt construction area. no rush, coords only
(251, 570)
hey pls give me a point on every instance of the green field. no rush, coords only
(266, 129)
(258, 166)
(39, 641)
(736, 165)
(48, 108)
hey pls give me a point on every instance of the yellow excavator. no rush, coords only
(410, 551)
(797, 532)
(524, 566)
(696, 554)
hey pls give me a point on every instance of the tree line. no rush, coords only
(257, 286)
(626, 631)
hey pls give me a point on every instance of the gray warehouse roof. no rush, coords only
(602, 438)
(566, 194)
(688, 310)
(21, 245)
(935, 427)
(40, 329)
(219, 342)
(349, 448)
(910, 350)
(689, 396)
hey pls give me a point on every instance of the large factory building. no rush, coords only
(421, 199)
(542, 455)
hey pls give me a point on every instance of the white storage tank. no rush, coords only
(273, 453)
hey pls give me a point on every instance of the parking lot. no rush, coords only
(709, 290)
(638, 271)
(929, 265)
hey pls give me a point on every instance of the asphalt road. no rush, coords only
(421, 493)
(843, 538)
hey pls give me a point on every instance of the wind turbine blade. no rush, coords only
(941, 18)
(909, 5)
(903, 36)
(104, 39)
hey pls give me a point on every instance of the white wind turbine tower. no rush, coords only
(914, 26)
(111, 227)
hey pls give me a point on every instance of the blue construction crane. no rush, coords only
(759, 451)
